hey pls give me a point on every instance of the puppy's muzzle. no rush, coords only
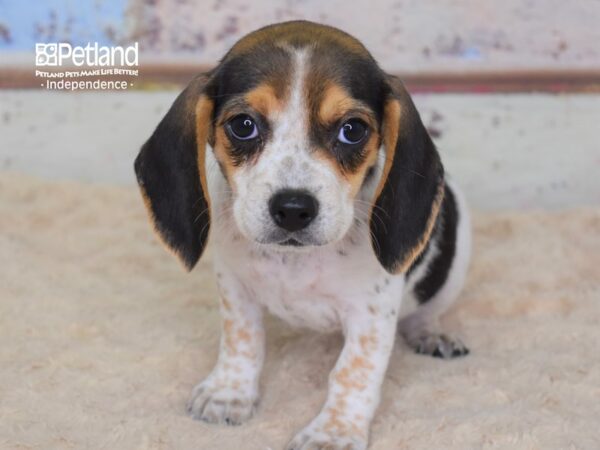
(293, 210)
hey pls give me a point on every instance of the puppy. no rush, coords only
(327, 205)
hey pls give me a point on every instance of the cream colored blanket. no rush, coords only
(103, 336)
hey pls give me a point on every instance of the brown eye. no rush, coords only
(242, 127)
(352, 132)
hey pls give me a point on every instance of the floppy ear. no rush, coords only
(411, 189)
(171, 174)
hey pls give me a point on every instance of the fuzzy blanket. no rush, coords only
(103, 336)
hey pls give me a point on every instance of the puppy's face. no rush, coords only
(297, 137)
(303, 123)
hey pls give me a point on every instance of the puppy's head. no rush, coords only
(305, 128)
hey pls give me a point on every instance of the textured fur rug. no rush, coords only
(103, 336)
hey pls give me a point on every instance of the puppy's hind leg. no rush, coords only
(437, 279)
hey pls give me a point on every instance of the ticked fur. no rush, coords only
(379, 220)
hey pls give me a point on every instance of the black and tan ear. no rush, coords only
(411, 189)
(170, 171)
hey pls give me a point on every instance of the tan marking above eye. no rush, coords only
(263, 99)
(334, 104)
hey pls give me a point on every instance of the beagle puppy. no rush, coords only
(326, 204)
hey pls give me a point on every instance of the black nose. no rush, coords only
(293, 210)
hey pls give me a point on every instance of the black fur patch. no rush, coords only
(405, 204)
(445, 240)
(167, 172)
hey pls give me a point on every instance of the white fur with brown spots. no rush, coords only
(340, 285)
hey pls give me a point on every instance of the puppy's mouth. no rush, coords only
(292, 242)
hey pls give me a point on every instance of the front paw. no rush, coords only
(315, 437)
(215, 402)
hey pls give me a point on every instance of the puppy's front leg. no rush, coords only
(230, 393)
(354, 383)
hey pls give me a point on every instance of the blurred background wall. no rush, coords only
(509, 90)
(409, 36)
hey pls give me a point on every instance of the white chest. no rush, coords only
(314, 289)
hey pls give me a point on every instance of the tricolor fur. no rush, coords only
(361, 224)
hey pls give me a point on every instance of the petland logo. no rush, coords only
(104, 68)
(58, 54)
